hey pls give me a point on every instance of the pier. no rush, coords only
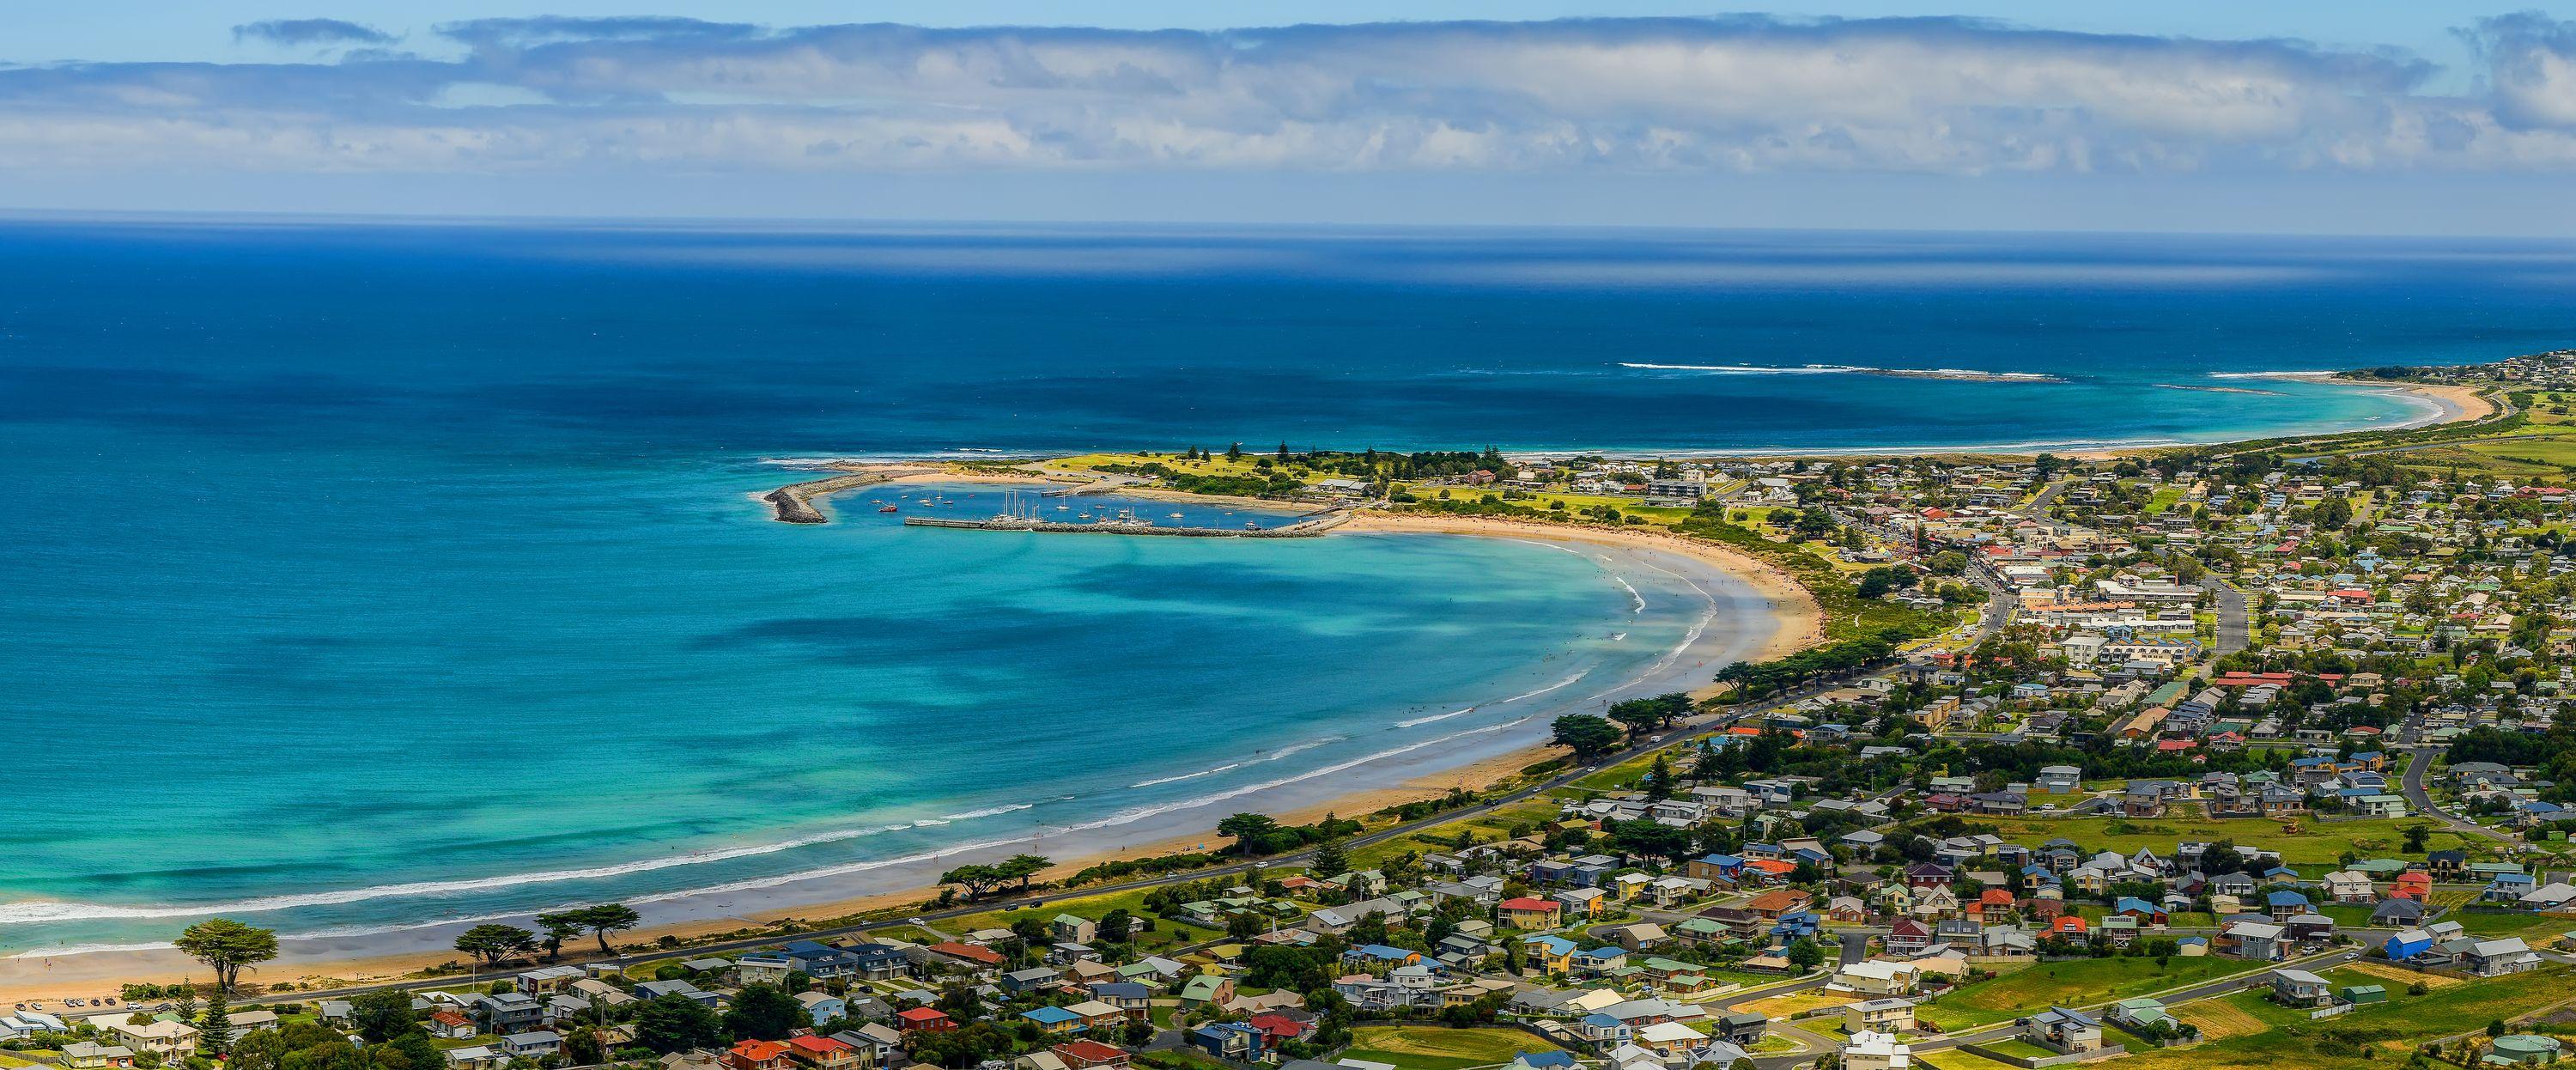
(1306, 527)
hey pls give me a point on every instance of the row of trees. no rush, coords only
(1755, 679)
(228, 947)
(494, 943)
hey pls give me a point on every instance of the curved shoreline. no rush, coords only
(1486, 757)
(1745, 617)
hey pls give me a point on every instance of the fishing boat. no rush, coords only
(889, 508)
(1176, 516)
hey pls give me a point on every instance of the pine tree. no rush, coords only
(1330, 861)
(1659, 779)
(215, 1033)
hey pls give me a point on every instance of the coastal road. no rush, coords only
(2235, 624)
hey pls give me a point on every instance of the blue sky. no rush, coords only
(2184, 115)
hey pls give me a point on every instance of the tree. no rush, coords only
(1330, 861)
(761, 1012)
(978, 880)
(1806, 955)
(215, 1030)
(1021, 869)
(1587, 736)
(604, 919)
(582, 1047)
(559, 927)
(1247, 830)
(1117, 925)
(494, 942)
(2417, 836)
(967, 1046)
(226, 946)
(1659, 779)
(382, 1015)
(2221, 858)
(676, 1023)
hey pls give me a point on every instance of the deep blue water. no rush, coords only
(346, 557)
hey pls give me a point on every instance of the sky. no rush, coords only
(2185, 115)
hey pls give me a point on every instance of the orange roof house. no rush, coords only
(930, 1018)
(757, 1055)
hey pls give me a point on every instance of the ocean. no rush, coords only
(362, 575)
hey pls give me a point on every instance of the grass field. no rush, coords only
(2075, 983)
(2318, 843)
(1488, 828)
(1166, 931)
(2247, 1031)
(1954, 1059)
(2018, 1049)
(1797, 1003)
(1431, 1047)
(2532, 927)
(2219, 1019)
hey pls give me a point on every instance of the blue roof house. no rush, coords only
(2406, 945)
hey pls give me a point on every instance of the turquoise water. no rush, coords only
(360, 577)
(621, 679)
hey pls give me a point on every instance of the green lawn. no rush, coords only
(2264, 1034)
(2531, 927)
(907, 933)
(2073, 983)
(2020, 1049)
(2318, 842)
(1431, 1047)
(1166, 932)
(1488, 828)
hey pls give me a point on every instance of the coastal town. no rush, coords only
(2208, 756)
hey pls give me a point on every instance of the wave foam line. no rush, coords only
(1435, 717)
(40, 911)
(1697, 629)
(1226, 768)
(1747, 369)
(1123, 817)
(1632, 592)
(1964, 374)
(1258, 758)
(1557, 686)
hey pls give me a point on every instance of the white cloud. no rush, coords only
(1655, 95)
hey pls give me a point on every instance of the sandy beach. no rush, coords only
(2458, 403)
(1753, 611)
(1797, 621)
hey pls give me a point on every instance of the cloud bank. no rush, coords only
(1730, 95)
(303, 32)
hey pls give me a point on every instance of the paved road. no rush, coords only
(2235, 626)
(2039, 504)
(2412, 786)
